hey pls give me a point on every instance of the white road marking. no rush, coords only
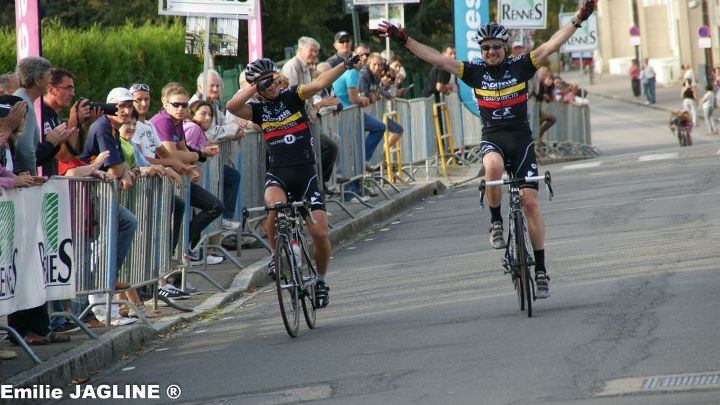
(585, 165)
(659, 156)
(128, 368)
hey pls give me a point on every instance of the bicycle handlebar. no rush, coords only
(519, 180)
(281, 206)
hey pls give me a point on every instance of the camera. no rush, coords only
(108, 109)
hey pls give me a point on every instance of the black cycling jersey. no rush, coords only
(285, 128)
(501, 91)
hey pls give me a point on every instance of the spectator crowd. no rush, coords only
(119, 142)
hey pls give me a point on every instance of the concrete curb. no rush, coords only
(112, 346)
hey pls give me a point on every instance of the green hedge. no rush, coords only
(102, 58)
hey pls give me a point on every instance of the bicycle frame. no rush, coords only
(293, 279)
(518, 257)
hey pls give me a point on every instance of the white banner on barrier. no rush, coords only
(36, 254)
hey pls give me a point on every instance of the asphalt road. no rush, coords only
(421, 312)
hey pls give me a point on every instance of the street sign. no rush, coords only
(704, 31)
(523, 13)
(635, 40)
(235, 9)
(704, 43)
(377, 14)
(585, 38)
(634, 31)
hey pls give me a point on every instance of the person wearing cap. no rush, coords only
(500, 86)
(343, 48)
(517, 48)
(104, 136)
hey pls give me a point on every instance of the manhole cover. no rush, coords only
(670, 382)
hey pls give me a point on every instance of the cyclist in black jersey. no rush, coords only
(500, 85)
(291, 152)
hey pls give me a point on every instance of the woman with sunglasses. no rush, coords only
(500, 85)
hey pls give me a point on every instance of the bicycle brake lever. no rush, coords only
(548, 183)
(481, 189)
(245, 216)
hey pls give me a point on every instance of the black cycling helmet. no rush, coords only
(492, 30)
(258, 68)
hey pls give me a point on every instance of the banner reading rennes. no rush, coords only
(37, 263)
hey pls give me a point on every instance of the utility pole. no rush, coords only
(708, 51)
(636, 23)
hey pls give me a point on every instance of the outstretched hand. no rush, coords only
(397, 34)
(352, 62)
(586, 10)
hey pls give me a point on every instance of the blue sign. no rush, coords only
(469, 16)
(704, 31)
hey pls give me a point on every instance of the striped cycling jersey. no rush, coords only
(501, 91)
(285, 128)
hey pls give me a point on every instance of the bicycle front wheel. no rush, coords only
(308, 275)
(682, 136)
(523, 265)
(287, 289)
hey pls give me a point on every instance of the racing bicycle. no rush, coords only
(295, 274)
(518, 257)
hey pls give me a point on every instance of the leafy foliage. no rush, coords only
(102, 59)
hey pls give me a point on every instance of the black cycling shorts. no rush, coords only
(517, 150)
(297, 181)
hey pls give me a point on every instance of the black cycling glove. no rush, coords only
(352, 62)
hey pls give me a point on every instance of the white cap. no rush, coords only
(516, 44)
(118, 95)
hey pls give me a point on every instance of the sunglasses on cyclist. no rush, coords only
(139, 87)
(178, 105)
(494, 47)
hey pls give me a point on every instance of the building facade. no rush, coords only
(669, 36)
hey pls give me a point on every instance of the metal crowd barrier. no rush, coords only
(250, 157)
(419, 142)
(142, 200)
(573, 122)
(247, 156)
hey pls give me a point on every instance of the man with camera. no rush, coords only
(55, 130)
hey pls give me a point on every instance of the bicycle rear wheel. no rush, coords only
(523, 264)
(308, 275)
(287, 290)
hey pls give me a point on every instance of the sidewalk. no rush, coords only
(80, 358)
(617, 87)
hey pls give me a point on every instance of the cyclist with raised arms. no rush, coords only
(291, 163)
(500, 85)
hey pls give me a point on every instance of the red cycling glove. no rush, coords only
(586, 10)
(397, 34)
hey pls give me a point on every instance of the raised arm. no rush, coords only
(542, 52)
(327, 78)
(238, 103)
(420, 50)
